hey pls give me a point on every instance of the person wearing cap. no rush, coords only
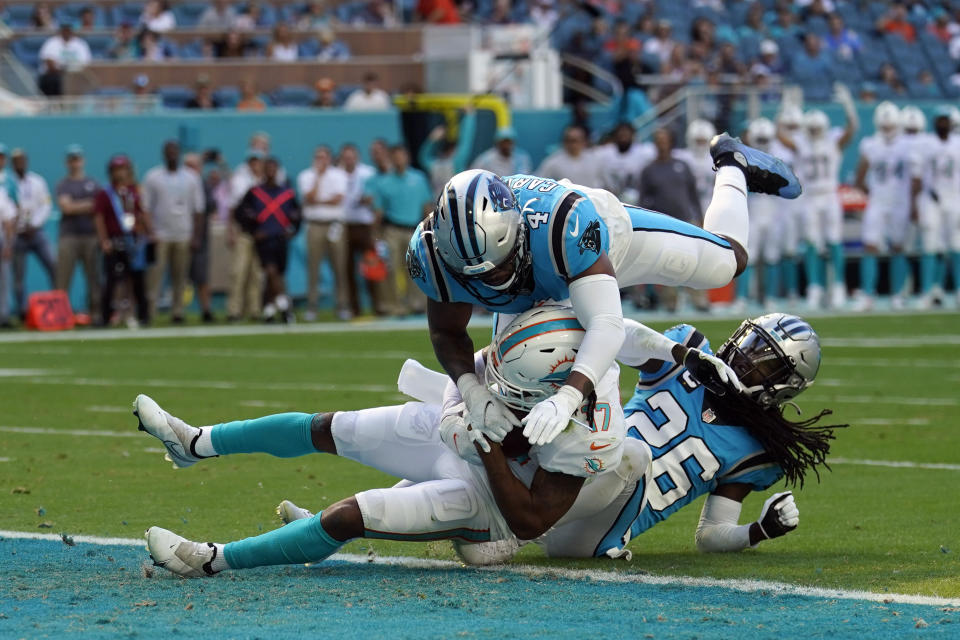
(65, 50)
(370, 97)
(7, 234)
(124, 231)
(77, 240)
(31, 197)
(243, 298)
(504, 158)
(323, 187)
(173, 196)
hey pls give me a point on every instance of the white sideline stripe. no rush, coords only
(4, 459)
(208, 384)
(16, 373)
(99, 408)
(897, 464)
(44, 431)
(598, 575)
(912, 422)
(252, 354)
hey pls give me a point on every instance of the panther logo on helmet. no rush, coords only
(414, 268)
(590, 240)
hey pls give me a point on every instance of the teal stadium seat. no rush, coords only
(27, 50)
(188, 14)
(227, 97)
(293, 95)
(175, 96)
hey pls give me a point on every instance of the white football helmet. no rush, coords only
(886, 119)
(790, 117)
(816, 123)
(699, 134)
(479, 234)
(954, 118)
(913, 120)
(761, 133)
(531, 358)
(776, 357)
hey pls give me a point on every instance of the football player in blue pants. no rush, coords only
(508, 244)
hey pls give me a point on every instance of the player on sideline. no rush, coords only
(935, 191)
(726, 446)
(790, 126)
(697, 154)
(507, 244)
(445, 496)
(818, 155)
(883, 174)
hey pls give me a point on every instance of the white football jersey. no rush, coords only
(888, 177)
(620, 172)
(937, 163)
(818, 161)
(701, 165)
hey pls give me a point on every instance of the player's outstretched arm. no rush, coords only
(529, 512)
(719, 531)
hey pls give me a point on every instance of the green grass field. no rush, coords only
(879, 528)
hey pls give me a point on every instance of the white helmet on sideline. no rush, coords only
(886, 119)
(699, 134)
(914, 121)
(790, 117)
(816, 123)
(531, 358)
(761, 133)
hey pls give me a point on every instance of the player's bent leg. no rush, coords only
(178, 437)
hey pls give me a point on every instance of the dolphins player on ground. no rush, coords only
(507, 244)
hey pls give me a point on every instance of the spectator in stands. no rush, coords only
(50, 79)
(31, 196)
(249, 98)
(151, 47)
(323, 188)
(843, 42)
(326, 94)
(438, 12)
(769, 62)
(662, 43)
(330, 47)
(504, 158)
(271, 214)
(753, 23)
(895, 21)
(624, 51)
(65, 50)
(42, 18)
(157, 17)
(890, 83)
(249, 19)
(574, 160)
(785, 26)
(124, 231)
(441, 157)
(926, 86)
(233, 45)
(812, 64)
(173, 196)
(543, 13)
(88, 19)
(360, 237)
(621, 162)
(219, 16)
(369, 98)
(703, 32)
(941, 27)
(200, 248)
(282, 48)
(77, 238)
(667, 185)
(316, 15)
(377, 13)
(124, 45)
(203, 97)
(401, 199)
(243, 299)
(141, 85)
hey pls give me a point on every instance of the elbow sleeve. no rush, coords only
(718, 530)
(596, 303)
(642, 343)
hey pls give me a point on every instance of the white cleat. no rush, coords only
(179, 555)
(175, 434)
(898, 303)
(289, 512)
(814, 296)
(863, 302)
(838, 296)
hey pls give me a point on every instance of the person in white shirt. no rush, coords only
(246, 276)
(65, 50)
(575, 161)
(323, 189)
(283, 47)
(157, 17)
(360, 230)
(32, 201)
(622, 161)
(370, 98)
(504, 158)
(173, 197)
(8, 215)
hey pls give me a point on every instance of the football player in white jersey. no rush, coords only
(883, 174)
(697, 156)
(789, 127)
(935, 191)
(458, 484)
(621, 161)
(818, 155)
(766, 229)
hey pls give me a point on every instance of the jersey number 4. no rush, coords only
(683, 460)
(536, 218)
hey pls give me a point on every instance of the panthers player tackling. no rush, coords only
(507, 244)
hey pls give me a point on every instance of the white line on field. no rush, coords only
(911, 422)
(4, 459)
(252, 354)
(598, 575)
(893, 362)
(207, 384)
(100, 408)
(16, 373)
(44, 431)
(938, 402)
(886, 342)
(897, 464)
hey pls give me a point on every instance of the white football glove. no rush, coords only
(710, 371)
(485, 412)
(459, 436)
(779, 515)
(551, 416)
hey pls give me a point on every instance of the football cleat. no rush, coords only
(289, 512)
(175, 434)
(764, 172)
(179, 555)
(485, 554)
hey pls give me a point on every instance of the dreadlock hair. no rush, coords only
(797, 447)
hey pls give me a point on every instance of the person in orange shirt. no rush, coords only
(249, 100)
(896, 22)
(437, 12)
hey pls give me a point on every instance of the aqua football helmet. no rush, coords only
(531, 358)
(776, 356)
(480, 235)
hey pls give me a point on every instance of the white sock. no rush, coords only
(727, 213)
(282, 302)
(220, 562)
(204, 445)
